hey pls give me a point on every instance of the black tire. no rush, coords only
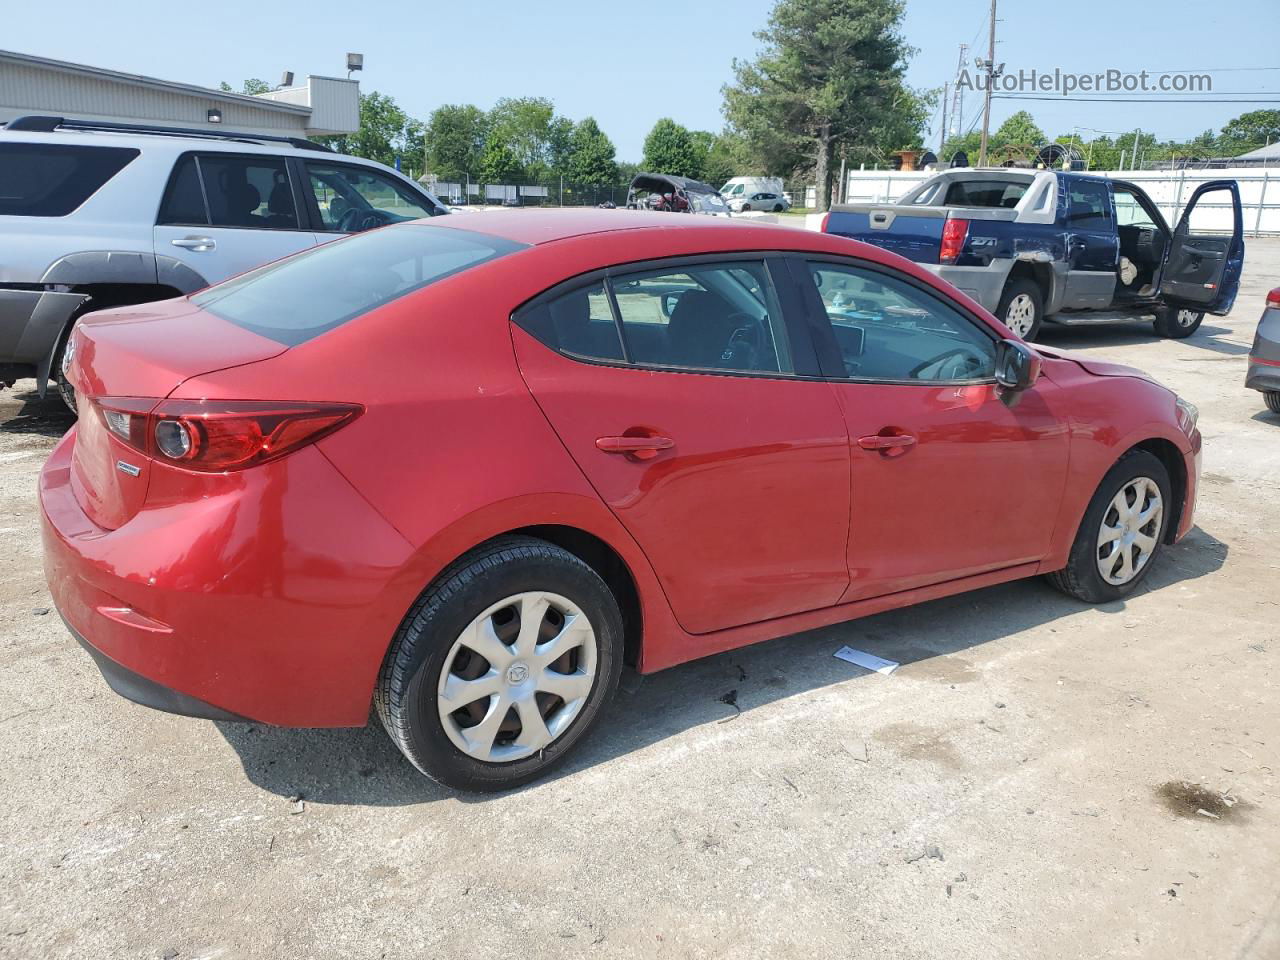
(1020, 287)
(405, 696)
(1176, 324)
(1272, 399)
(1080, 578)
(777, 208)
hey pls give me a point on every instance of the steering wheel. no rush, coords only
(745, 344)
(356, 220)
(962, 363)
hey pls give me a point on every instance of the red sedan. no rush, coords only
(465, 469)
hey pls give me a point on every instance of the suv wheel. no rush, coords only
(1177, 324)
(1021, 308)
(502, 666)
(1121, 533)
(1272, 399)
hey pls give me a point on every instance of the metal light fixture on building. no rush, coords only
(355, 61)
(286, 79)
(213, 115)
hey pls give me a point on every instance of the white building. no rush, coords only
(38, 85)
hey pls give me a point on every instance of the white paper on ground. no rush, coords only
(868, 660)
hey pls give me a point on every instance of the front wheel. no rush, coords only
(1121, 533)
(1021, 308)
(1177, 324)
(502, 666)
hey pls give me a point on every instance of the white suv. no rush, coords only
(96, 215)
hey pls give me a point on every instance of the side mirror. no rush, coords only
(1017, 365)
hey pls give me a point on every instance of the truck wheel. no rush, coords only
(1177, 324)
(1021, 307)
(1272, 398)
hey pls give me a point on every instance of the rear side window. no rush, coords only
(1090, 205)
(52, 180)
(1000, 194)
(292, 300)
(579, 323)
(225, 190)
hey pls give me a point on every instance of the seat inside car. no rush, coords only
(701, 325)
(580, 333)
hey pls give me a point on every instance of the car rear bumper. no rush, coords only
(244, 605)
(983, 284)
(1263, 375)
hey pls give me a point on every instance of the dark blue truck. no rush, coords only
(1036, 245)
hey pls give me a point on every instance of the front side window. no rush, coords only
(52, 180)
(352, 199)
(1130, 212)
(1089, 206)
(889, 330)
(226, 190)
(721, 317)
(292, 300)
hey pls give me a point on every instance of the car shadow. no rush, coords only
(24, 411)
(1266, 416)
(361, 766)
(1132, 332)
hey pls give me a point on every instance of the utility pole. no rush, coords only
(942, 140)
(1133, 162)
(991, 75)
(958, 107)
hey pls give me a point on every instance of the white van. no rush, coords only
(741, 187)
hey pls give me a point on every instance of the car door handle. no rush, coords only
(888, 444)
(194, 243)
(641, 448)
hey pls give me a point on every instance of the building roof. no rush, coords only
(1269, 152)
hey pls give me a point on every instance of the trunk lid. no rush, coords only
(911, 232)
(140, 353)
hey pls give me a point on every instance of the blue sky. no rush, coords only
(629, 63)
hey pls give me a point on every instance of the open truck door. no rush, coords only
(1202, 269)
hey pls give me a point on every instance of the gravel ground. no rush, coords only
(1028, 783)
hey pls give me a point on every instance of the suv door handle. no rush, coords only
(641, 448)
(194, 243)
(890, 445)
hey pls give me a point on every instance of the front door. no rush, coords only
(1093, 243)
(698, 431)
(1206, 255)
(950, 478)
(224, 213)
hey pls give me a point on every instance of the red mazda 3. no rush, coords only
(465, 469)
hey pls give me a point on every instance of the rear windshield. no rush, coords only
(51, 180)
(985, 193)
(303, 296)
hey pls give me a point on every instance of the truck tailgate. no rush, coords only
(911, 232)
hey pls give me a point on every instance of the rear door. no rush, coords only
(1206, 254)
(948, 477)
(1093, 244)
(703, 428)
(225, 213)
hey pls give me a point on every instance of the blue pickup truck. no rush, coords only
(1036, 245)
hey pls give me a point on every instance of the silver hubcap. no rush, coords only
(1187, 318)
(1020, 315)
(1130, 531)
(517, 677)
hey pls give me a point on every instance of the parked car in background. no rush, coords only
(95, 215)
(1264, 358)
(774, 202)
(669, 194)
(463, 469)
(1066, 247)
(739, 188)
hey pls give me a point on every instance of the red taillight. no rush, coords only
(826, 218)
(213, 436)
(1273, 298)
(954, 233)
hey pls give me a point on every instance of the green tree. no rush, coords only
(829, 71)
(1250, 131)
(385, 132)
(455, 140)
(532, 132)
(499, 163)
(1019, 129)
(252, 87)
(591, 155)
(670, 148)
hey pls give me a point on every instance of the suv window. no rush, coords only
(1090, 205)
(1002, 194)
(225, 190)
(52, 180)
(889, 330)
(292, 300)
(356, 198)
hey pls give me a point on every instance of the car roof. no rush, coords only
(545, 226)
(172, 143)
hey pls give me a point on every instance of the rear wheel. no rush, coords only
(1177, 324)
(502, 666)
(1121, 533)
(1021, 307)
(777, 208)
(1272, 398)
